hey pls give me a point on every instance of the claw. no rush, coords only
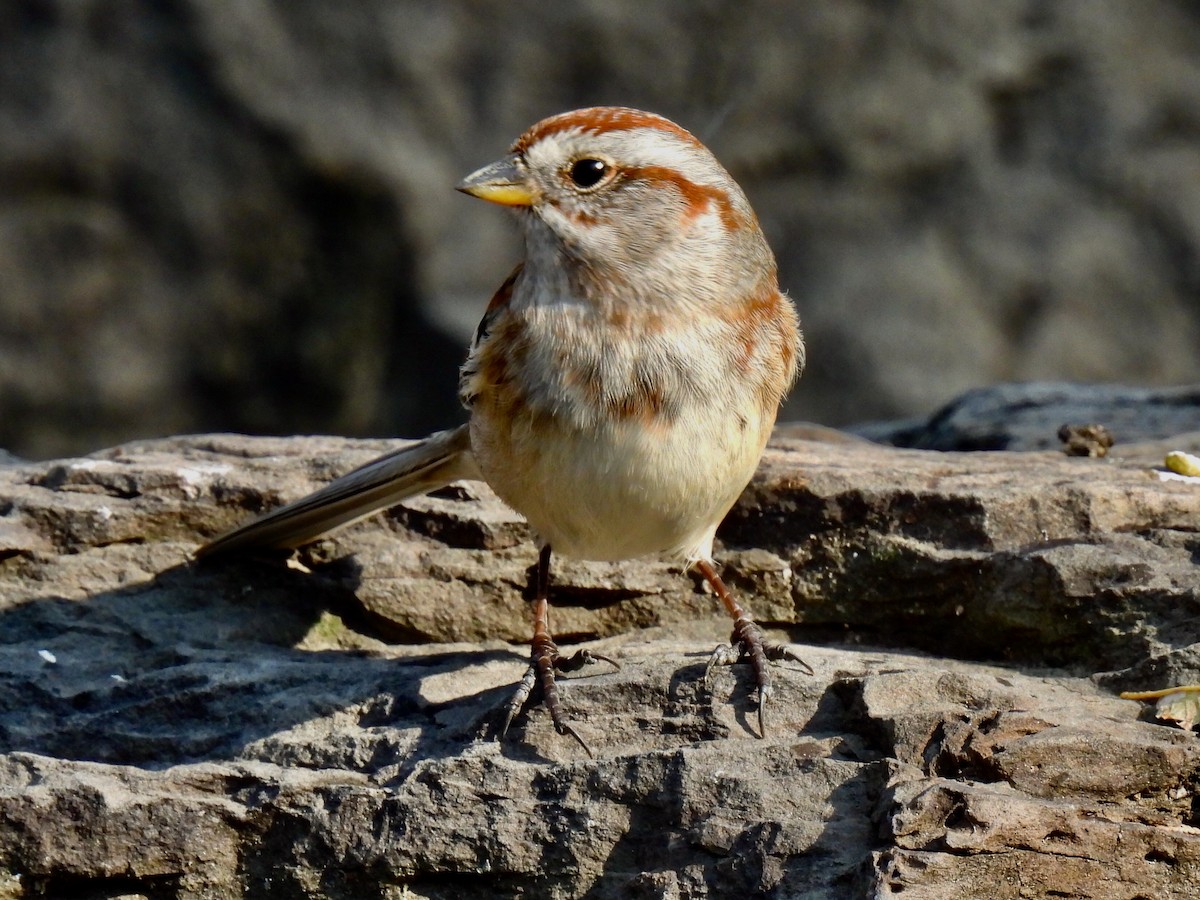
(764, 691)
(582, 658)
(564, 728)
(780, 652)
(519, 698)
(722, 655)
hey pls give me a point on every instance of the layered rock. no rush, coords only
(323, 725)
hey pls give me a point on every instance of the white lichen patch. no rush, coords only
(196, 476)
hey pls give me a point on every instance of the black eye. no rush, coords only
(587, 173)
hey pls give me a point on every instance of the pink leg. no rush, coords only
(545, 662)
(747, 641)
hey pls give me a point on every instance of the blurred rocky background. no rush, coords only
(240, 216)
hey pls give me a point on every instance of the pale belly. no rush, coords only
(622, 491)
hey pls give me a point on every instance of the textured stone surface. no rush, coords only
(240, 217)
(240, 728)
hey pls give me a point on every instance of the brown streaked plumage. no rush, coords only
(598, 120)
(623, 380)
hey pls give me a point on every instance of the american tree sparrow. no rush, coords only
(623, 381)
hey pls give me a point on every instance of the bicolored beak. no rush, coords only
(502, 182)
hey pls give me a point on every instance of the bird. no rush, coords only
(622, 383)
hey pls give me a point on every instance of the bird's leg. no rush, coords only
(545, 660)
(746, 642)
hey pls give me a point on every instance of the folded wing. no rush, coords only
(417, 469)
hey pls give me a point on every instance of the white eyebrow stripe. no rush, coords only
(632, 148)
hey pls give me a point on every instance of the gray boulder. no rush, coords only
(241, 217)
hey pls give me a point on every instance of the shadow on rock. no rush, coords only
(206, 663)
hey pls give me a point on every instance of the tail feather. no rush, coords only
(434, 462)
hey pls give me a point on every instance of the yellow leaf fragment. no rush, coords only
(1183, 463)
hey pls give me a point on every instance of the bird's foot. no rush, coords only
(748, 643)
(544, 665)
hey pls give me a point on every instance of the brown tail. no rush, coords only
(422, 467)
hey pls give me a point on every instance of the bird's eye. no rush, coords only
(587, 173)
